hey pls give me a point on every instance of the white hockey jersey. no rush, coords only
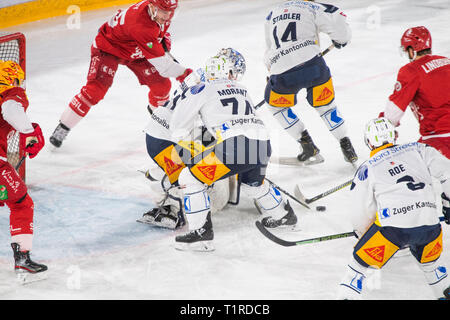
(292, 32)
(158, 126)
(394, 187)
(224, 107)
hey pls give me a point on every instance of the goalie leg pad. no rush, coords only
(288, 120)
(196, 200)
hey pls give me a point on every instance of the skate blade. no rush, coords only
(293, 161)
(25, 278)
(164, 223)
(202, 246)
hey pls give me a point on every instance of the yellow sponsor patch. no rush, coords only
(209, 169)
(433, 250)
(323, 94)
(377, 250)
(281, 100)
(170, 161)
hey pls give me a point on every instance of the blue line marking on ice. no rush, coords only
(71, 222)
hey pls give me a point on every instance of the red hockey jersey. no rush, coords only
(424, 85)
(131, 34)
(6, 130)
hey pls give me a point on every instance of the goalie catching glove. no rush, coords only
(32, 142)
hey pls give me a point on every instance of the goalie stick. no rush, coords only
(287, 243)
(302, 198)
(324, 52)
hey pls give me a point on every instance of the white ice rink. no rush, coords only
(89, 193)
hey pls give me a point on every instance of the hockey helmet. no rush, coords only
(418, 38)
(228, 63)
(378, 132)
(166, 6)
(11, 73)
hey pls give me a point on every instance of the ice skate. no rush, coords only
(310, 153)
(26, 269)
(348, 150)
(288, 220)
(162, 217)
(197, 240)
(59, 135)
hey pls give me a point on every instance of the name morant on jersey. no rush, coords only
(231, 91)
(434, 64)
(286, 16)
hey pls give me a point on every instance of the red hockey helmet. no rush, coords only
(418, 38)
(166, 5)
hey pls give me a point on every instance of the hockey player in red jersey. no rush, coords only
(424, 85)
(13, 191)
(138, 39)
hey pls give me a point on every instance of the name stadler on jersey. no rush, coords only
(286, 16)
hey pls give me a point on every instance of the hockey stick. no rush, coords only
(183, 84)
(19, 164)
(300, 195)
(287, 243)
(324, 52)
(289, 195)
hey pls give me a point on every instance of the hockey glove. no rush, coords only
(338, 45)
(167, 41)
(186, 72)
(445, 208)
(32, 142)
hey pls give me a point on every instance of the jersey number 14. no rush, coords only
(289, 34)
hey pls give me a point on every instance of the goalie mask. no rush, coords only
(11, 73)
(379, 132)
(228, 64)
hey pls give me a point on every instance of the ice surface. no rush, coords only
(89, 193)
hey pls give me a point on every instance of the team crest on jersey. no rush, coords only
(398, 86)
(363, 173)
(197, 88)
(3, 193)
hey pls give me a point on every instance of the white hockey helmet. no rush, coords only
(378, 132)
(228, 63)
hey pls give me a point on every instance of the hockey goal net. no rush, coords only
(12, 47)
